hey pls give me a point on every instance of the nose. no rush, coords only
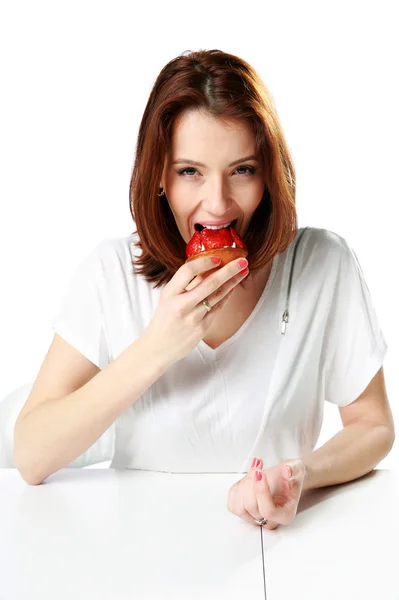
(217, 201)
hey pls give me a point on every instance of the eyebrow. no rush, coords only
(199, 164)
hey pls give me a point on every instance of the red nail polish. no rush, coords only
(258, 475)
(255, 463)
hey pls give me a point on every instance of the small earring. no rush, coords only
(162, 193)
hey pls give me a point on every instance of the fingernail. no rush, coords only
(258, 475)
(216, 260)
(289, 470)
(242, 263)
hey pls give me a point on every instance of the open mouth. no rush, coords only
(198, 227)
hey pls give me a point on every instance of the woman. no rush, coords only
(192, 377)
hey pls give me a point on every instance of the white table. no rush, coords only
(95, 534)
(342, 545)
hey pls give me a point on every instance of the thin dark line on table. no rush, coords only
(263, 562)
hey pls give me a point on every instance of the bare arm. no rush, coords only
(349, 454)
(59, 430)
(73, 403)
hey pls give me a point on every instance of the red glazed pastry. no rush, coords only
(225, 243)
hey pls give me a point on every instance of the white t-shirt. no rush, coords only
(260, 393)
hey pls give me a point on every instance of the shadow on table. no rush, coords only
(311, 498)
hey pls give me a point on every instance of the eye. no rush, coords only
(250, 171)
(184, 171)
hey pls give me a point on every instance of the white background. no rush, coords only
(75, 79)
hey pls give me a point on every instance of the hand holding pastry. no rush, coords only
(181, 319)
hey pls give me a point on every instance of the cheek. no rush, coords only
(179, 204)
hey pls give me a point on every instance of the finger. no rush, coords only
(185, 275)
(197, 280)
(252, 506)
(217, 287)
(244, 514)
(264, 506)
(296, 470)
(257, 463)
(261, 496)
(243, 504)
(216, 301)
(293, 475)
(200, 278)
(217, 298)
(236, 505)
(235, 501)
(282, 513)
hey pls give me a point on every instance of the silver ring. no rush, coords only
(207, 305)
(262, 522)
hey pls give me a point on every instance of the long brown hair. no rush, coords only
(226, 87)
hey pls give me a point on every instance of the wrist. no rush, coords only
(153, 353)
(307, 480)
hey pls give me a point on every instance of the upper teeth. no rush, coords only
(217, 226)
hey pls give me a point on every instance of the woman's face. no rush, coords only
(215, 191)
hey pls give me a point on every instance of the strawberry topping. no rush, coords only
(209, 239)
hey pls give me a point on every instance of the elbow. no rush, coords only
(30, 479)
(391, 440)
(23, 466)
(390, 434)
(388, 440)
(28, 474)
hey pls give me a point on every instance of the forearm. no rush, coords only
(351, 453)
(59, 430)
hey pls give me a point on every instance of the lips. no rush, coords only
(200, 226)
(211, 239)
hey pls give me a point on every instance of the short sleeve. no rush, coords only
(355, 344)
(80, 319)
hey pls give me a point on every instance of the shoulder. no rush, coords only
(318, 238)
(323, 246)
(321, 254)
(113, 249)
